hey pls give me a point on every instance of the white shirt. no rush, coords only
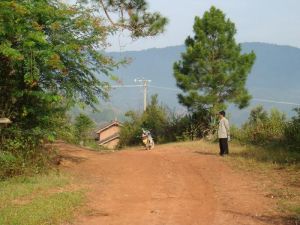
(224, 129)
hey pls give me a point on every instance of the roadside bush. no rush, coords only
(178, 128)
(165, 126)
(236, 133)
(155, 118)
(83, 128)
(9, 164)
(262, 127)
(292, 131)
(77, 130)
(21, 151)
(131, 130)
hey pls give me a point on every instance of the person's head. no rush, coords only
(222, 114)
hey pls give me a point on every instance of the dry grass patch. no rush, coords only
(277, 170)
(38, 200)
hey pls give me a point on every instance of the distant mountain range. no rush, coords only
(275, 79)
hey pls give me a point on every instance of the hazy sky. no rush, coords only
(272, 21)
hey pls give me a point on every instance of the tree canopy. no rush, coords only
(52, 53)
(213, 71)
(133, 16)
(83, 127)
(52, 56)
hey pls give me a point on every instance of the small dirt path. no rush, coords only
(170, 185)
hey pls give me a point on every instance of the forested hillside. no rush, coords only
(275, 76)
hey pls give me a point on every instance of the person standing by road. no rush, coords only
(223, 134)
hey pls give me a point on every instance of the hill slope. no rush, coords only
(275, 76)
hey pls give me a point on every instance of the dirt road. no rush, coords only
(170, 185)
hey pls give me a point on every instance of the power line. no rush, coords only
(164, 88)
(277, 102)
(126, 86)
(177, 90)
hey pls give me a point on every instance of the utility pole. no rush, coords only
(144, 82)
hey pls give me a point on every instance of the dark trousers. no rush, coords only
(223, 142)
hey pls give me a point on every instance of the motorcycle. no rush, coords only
(147, 139)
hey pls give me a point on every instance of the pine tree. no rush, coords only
(213, 71)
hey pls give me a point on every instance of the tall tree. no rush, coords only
(52, 55)
(52, 52)
(133, 16)
(83, 127)
(213, 71)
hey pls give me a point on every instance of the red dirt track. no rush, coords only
(170, 185)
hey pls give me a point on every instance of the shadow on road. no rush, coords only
(73, 159)
(206, 153)
(275, 220)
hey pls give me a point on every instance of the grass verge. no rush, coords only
(277, 170)
(39, 200)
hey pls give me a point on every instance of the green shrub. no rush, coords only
(164, 125)
(9, 165)
(262, 127)
(83, 128)
(292, 131)
(22, 151)
(131, 130)
(156, 119)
